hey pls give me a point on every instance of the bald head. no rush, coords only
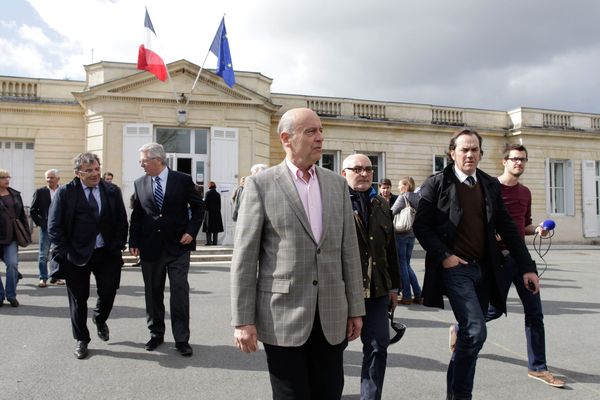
(301, 135)
(358, 172)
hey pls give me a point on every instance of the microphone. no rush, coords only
(548, 225)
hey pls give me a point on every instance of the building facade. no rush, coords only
(217, 133)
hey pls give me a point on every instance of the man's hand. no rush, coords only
(245, 339)
(393, 300)
(452, 261)
(353, 328)
(134, 251)
(186, 238)
(532, 282)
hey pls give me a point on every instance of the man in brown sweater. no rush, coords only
(460, 212)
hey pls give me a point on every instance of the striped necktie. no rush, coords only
(158, 193)
(470, 181)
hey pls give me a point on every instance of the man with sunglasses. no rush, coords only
(380, 270)
(517, 199)
(460, 212)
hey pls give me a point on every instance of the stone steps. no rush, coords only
(203, 254)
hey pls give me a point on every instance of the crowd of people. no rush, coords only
(317, 259)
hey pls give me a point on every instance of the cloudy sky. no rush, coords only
(494, 54)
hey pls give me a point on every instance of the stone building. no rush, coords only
(216, 133)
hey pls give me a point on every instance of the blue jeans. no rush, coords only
(405, 247)
(43, 254)
(11, 259)
(467, 289)
(375, 336)
(534, 316)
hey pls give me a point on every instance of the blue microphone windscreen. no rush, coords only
(548, 225)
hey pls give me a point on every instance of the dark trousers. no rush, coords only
(313, 371)
(534, 316)
(107, 271)
(211, 238)
(155, 274)
(375, 336)
(467, 288)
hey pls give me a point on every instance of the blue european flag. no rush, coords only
(220, 48)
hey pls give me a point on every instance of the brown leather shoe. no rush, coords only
(546, 377)
(406, 302)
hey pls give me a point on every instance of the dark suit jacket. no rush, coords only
(153, 231)
(40, 205)
(438, 216)
(72, 227)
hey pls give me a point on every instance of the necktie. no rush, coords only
(93, 203)
(158, 193)
(470, 180)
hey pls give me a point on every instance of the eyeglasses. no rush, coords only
(515, 159)
(4, 177)
(360, 170)
(147, 160)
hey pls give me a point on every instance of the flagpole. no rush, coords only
(199, 72)
(197, 77)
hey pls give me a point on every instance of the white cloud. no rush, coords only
(33, 34)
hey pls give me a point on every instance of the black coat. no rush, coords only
(72, 227)
(153, 230)
(437, 219)
(40, 205)
(213, 222)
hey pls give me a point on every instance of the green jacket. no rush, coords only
(378, 255)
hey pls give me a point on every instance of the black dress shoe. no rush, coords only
(13, 302)
(103, 332)
(154, 342)
(184, 349)
(81, 350)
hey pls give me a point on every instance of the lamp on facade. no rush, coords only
(182, 112)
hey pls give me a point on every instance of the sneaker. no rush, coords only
(42, 283)
(55, 281)
(546, 377)
(452, 337)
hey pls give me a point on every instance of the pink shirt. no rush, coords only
(310, 196)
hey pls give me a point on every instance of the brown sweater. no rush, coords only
(470, 234)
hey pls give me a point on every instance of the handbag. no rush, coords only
(21, 233)
(397, 329)
(403, 221)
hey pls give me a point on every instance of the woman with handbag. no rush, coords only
(405, 242)
(12, 219)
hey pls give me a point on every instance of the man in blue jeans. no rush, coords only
(460, 212)
(517, 199)
(40, 205)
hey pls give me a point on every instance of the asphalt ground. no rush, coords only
(36, 345)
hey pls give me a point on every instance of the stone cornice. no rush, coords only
(144, 100)
(71, 109)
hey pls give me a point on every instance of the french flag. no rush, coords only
(148, 60)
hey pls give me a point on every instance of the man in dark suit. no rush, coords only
(40, 205)
(167, 214)
(87, 225)
(460, 212)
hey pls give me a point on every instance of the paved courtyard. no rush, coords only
(37, 361)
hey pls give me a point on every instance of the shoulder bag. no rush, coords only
(403, 221)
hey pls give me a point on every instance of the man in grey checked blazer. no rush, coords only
(296, 281)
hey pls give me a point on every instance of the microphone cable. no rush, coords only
(542, 248)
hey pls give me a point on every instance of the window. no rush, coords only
(439, 162)
(560, 191)
(557, 187)
(597, 188)
(330, 159)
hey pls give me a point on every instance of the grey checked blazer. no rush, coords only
(278, 270)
